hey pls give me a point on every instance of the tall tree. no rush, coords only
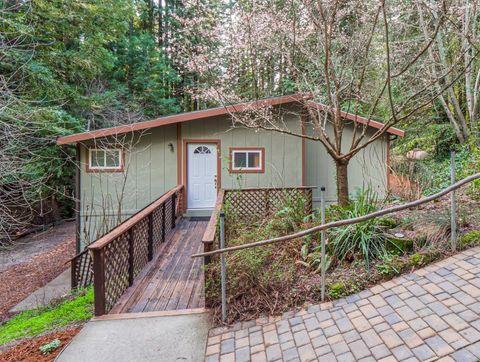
(460, 33)
(351, 56)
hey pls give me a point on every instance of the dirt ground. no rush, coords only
(29, 246)
(33, 262)
(29, 350)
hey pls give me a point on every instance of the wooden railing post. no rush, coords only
(130, 257)
(73, 273)
(99, 281)
(174, 216)
(150, 237)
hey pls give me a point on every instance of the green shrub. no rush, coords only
(367, 238)
(313, 258)
(51, 346)
(469, 239)
(336, 290)
(417, 259)
(391, 265)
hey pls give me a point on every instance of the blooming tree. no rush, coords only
(361, 57)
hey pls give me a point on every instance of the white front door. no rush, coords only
(201, 175)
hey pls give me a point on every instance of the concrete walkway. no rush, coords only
(57, 288)
(141, 337)
(431, 314)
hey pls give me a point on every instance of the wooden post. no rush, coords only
(163, 222)
(174, 198)
(130, 257)
(99, 281)
(150, 236)
(73, 276)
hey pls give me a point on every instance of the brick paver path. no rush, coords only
(431, 314)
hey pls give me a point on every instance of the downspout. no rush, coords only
(77, 198)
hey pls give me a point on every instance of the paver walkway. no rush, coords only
(431, 314)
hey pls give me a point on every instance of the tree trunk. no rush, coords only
(342, 182)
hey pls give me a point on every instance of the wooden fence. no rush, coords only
(210, 234)
(120, 255)
(252, 202)
(82, 270)
(264, 201)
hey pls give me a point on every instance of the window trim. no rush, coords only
(92, 169)
(261, 169)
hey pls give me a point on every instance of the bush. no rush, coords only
(254, 275)
(336, 290)
(391, 265)
(469, 239)
(50, 347)
(367, 239)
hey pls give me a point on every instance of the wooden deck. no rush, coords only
(172, 280)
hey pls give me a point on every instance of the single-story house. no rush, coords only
(123, 169)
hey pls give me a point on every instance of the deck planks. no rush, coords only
(173, 280)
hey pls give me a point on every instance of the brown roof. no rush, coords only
(191, 116)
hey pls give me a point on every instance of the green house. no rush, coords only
(123, 169)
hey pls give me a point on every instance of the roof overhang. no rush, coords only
(212, 112)
(362, 120)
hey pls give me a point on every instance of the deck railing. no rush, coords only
(210, 234)
(252, 202)
(82, 270)
(120, 255)
(263, 201)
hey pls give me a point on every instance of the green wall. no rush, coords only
(283, 153)
(108, 198)
(367, 169)
(151, 168)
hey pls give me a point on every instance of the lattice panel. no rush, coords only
(82, 267)
(157, 216)
(140, 246)
(168, 215)
(126, 255)
(116, 256)
(260, 202)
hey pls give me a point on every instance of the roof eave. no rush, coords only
(178, 118)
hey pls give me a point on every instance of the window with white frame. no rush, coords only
(105, 159)
(247, 160)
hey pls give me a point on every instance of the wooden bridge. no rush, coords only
(145, 265)
(173, 280)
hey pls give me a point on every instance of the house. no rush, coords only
(123, 169)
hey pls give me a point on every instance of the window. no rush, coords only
(202, 150)
(105, 160)
(247, 160)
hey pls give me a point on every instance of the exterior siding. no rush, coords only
(367, 169)
(283, 153)
(107, 198)
(151, 168)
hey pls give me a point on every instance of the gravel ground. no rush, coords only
(33, 262)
